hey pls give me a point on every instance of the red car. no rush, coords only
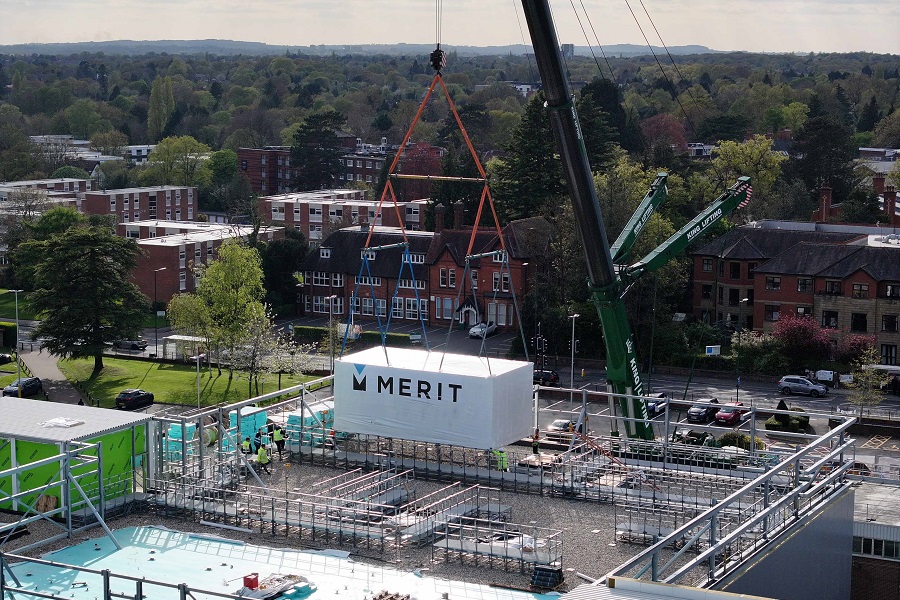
(730, 414)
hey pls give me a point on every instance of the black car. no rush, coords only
(542, 377)
(703, 414)
(133, 398)
(31, 386)
(5, 358)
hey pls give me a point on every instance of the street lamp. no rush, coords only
(331, 336)
(572, 372)
(739, 328)
(18, 360)
(156, 315)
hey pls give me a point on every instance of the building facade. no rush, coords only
(167, 202)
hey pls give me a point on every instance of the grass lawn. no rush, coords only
(170, 384)
(8, 306)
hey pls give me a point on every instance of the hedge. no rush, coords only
(9, 333)
(313, 335)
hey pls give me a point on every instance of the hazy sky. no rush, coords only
(754, 25)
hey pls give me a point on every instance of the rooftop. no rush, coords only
(25, 419)
(213, 233)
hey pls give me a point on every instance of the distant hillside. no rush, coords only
(231, 47)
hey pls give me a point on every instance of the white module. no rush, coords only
(465, 400)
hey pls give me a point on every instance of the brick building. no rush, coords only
(55, 188)
(317, 213)
(846, 277)
(165, 202)
(166, 263)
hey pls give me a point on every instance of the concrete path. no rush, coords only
(44, 366)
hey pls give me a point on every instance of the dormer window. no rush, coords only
(324, 252)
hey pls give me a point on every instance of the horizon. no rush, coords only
(790, 26)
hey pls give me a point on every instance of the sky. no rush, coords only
(751, 25)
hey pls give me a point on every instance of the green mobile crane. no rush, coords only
(609, 275)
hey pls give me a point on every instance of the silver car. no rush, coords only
(794, 384)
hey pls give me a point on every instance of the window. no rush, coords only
(368, 164)
(181, 256)
(197, 254)
(368, 179)
(367, 254)
(734, 296)
(830, 319)
(112, 205)
(859, 322)
(706, 292)
(833, 288)
(735, 268)
(750, 268)
(381, 307)
(443, 278)
(496, 281)
(860, 290)
(182, 281)
(337, 280)
(315, 214)
(773, 283)
(131, 233)
(474, 279)
(324, 252)
(412, 308)
(410, 284)
(417, 258)
(338, 308)
(773, 312)
(889, 323)
(889, 354)
(500, 256)
(804, 284)
(804, 311)
(349, 162)
(277, 213)
(707, 265)
(451, 278)
(320, 278)
(370, 281)
(448, 308)
(320, 304)
(397, 308)
(504, 282)
(893, 290)
(367, 306)
(721, 268)
(359, 164)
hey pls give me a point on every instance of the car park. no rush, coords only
(133, 398)
(545, 377)
(30, 386)
(483, 330)
(794, 384)
(657, 403)
(701, 412)
(130, 344)
(731, 413)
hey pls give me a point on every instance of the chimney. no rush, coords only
(878, 183)
(458, 214)
(890, 205)
(439, 211)
(825, 202)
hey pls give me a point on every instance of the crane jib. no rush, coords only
(706, 222)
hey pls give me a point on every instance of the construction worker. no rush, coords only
(258, 439)
(500, 459)
(535, 444)
(278, 436)
(245, 446)
(262, 458)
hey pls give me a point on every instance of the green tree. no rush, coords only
(177, 160)
(823, 154)
(887, 132)
(162, 105)
(84, 120)
(228, 296)
(84, 291)
(281, 260)
(111, 143)
(866, 388)
(70, 172)
(754, 158)
(862, 207)
(869, 116)
(316, 152)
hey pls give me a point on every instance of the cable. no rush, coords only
(612, 76)
(524, 44)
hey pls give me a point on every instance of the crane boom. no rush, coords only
(654, 197)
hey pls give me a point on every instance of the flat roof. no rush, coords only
(197, 225)
(149, 188)
(433, 361)
(22, 420)
(216, 233)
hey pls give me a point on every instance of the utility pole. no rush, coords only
(572, 372)
(156, 315)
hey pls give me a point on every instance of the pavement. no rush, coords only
(44, 366)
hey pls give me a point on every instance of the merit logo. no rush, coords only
(359, 385)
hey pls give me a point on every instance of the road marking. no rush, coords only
(876, 441)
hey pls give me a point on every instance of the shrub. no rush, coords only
(773, 424)
(9, 333)
(740, 440)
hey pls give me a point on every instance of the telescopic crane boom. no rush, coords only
(604, 277)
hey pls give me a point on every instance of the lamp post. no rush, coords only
(330, 328)
(739, 328)
(156, 315)
(18, 363)
(572, 372)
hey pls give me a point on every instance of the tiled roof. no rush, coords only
(347, 244)
(747, 243)
(836, 261)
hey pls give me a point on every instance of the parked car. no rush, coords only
(31, 386)
(731, 413)
(545, 377)
(5, 359)
(483, 330)
(794, 384)
(564, 426)
(130, 344)
(657, 403)
(699, 413)
(133, 398)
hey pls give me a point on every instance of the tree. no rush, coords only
(756, 159)
(162, 105)
(281, 260)
(887, 132)
(316, 152)
(869, 117)
(823, 154)
(228, 297)
(852, 346)
(803, 340)
(866, 387)
(176, 160)
(70, 172)
(862, 207)
(110, 143)
(83, 289)
(84, 120)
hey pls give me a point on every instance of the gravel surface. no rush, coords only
(589, 544)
